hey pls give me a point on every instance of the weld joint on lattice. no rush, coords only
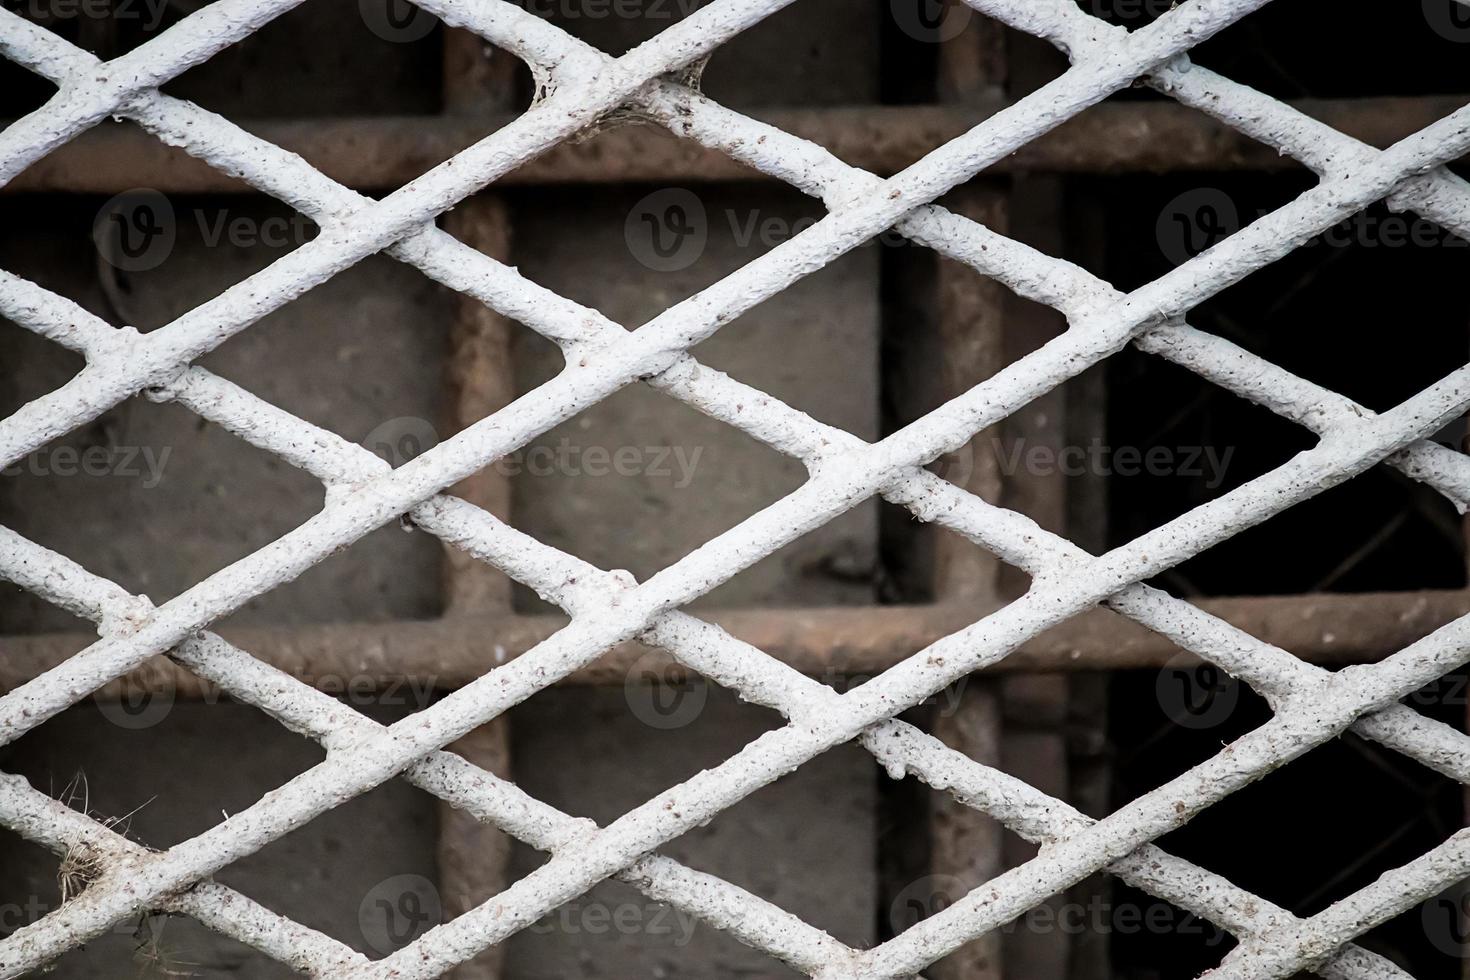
(107, 345)
(1164, 77)
(851, 191)
(591, 591)
(831, 459)
(573, 68)
(338, 491)
(125, 616)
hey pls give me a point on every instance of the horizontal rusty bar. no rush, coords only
(1326, 629)
(386, 152)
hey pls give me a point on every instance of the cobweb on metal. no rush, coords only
(1311, 705)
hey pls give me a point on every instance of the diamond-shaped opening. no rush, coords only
(145, 765)
(386, 60)
(144, 759)
(1418, 48)
(946, 329)
(1173, 442)
(185, 469)
(161, 255)
(653, 462)
(813, 53)
(21, 90)
(157, 945)
(948, 51)
(1130, 231)
(1312, 311)
(157, 500)
(144, 258)
(1299, 857)
(643, 249)
(362, 355)
(777, 822)
(934, 850)
(656, 728)
(1376, 533)
(1432, 940)
(616, 928)
(374, 855)
(640, 460)
(49, 366)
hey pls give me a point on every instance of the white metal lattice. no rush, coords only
(582, 85)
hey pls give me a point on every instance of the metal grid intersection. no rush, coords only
(580, 86)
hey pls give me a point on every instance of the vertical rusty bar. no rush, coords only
(965, 845)
(474, 859)
(1033, 744)
(479, 381)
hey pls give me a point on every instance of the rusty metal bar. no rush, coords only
(966, 845)
(1328, 630)
(474, 858)
(386, 152)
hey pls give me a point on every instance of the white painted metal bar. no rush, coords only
(1312, 706)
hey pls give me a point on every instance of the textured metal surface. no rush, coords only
(1311, 705)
